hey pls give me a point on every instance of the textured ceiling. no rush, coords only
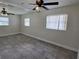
(22, 6)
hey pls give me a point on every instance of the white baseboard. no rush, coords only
(64, 46)
(9, 34)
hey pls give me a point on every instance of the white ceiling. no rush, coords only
(22, 6)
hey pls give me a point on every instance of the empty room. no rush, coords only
(39, 29)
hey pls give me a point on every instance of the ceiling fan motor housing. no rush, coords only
(39, 3)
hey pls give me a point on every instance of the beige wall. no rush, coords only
(13, 26)
(69, 38)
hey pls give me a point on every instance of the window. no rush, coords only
(27, 21)
(57, 22)
(4, 21)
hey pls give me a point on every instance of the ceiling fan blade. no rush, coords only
(10, 14)
(45, 7)
(51, 3)
(34, 8)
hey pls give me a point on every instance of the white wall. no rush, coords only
(69, 38)
(13, 26)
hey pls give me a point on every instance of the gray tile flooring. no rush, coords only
(20, 46)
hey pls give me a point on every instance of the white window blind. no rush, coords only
(27, 21)
(63, 22)
(4, 21)
(57, 22)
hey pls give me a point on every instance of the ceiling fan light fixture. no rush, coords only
(3, 14)
(38, 9)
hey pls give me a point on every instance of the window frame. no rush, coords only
(25, 22)
(8, 21)
(58, 22)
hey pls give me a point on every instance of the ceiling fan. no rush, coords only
(4, 12)
(40, 3)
